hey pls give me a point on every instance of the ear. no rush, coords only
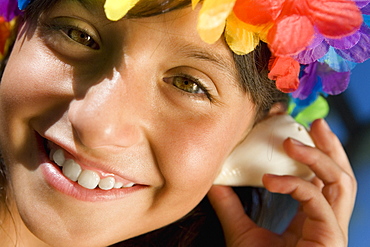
(262, 152)
(277, 108)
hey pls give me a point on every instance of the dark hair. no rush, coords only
(201, 226)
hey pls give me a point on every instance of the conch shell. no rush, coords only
(262, 152)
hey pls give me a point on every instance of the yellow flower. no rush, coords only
(116, 9)
(239, 36)
(212, 18)
(216, 17)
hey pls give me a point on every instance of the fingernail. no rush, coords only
(271, 175)
(296, 142)
(325, 124)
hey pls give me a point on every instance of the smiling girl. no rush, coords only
(114, 125)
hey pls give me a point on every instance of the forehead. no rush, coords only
(179, 21)
(144, 8)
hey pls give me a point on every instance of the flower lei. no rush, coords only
(314, 43)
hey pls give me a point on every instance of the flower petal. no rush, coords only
(337, 62)
(335, 18)
(194, 3)
(317, 40)
(307, 82)
(366, 10)
(22, 4)
(361, 51)
(280, 35)
(333, 82)
(310, 55)
(116, 9)
(346, 42)
(4, 34)
(239, 37)
(361, 3)
(367, 20)
(257, 12)
(212, 18)
(318, 109)
(285, 71)
(9, 9)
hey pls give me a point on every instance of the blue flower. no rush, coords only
(22, 4)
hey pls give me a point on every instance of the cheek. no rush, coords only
(192, 154)
(32, 84)
(33, 75)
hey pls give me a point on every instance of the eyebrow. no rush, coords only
(89, 5)
(222, 62)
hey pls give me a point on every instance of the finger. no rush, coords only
(305, 192)
(328, 142)
(318, 182)
(230, 211)
(339, 186)
(294, 230)
(321, 224)
(320, 163)
(342, 191)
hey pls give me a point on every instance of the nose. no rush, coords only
(104, 116)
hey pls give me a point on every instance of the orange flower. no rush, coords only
(4, 34)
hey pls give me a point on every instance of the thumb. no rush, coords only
(230, 212)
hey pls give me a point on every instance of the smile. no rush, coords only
(87, 178)
(81, 181)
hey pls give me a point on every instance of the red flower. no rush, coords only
(4, 34)
(285, 71)
(294, 21)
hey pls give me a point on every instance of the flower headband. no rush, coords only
(314, 43)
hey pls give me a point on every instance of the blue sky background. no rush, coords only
(350, 120)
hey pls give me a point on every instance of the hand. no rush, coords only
(326, 202)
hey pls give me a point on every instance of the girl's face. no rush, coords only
(142, 101)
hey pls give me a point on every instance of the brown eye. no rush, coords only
(187, 85)
(82, 37)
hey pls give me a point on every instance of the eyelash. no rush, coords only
(66, 29)
(196, 81)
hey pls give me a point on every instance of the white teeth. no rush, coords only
(107, 183)
(118, 185)
(58, 157)
(86, 178)
(128, 185)
(71, 170)
(51, 154)
(89, 179)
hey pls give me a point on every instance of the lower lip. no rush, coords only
(55, 178)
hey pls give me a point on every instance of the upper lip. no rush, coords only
(90, 162)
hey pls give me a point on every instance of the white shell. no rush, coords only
(262, 152)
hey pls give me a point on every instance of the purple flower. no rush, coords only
(354, 48)
(9, 9)
(328, 62)
(362, 3)
(318, 78)
(360, 52)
